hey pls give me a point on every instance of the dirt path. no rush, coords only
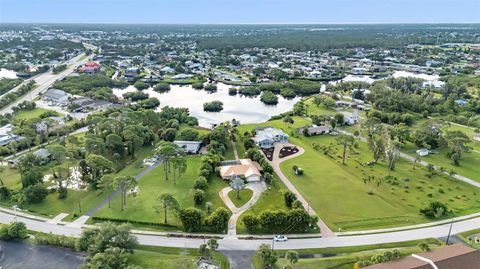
(257, 188)
(325, 231)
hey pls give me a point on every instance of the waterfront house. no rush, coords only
(266, 137)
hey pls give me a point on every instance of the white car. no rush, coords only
(280, 238)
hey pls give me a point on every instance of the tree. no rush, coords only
(99, 166)
(106, 183)
(200, 184)
(180, 165)
(424, 246)
(204, 251)
(288, 120)
(108, 235)
(435, 210)
(218, 220)
(112, 258)
(292, 257)
(198, 197)
(189, 134)
(191, 219)
(167, 201)
(31, 177)
(458, 143)
(289, 197)
(237, 184)
(35, 193)
(346, 142)
(124, 183)
(251, 221)
(166, 151)
(14, 230)
(212, 244)
(268, 256)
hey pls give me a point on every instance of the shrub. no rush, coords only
(54, 240)
(200, 184)
(162, 87)
(199, 197)
(197, 85)
(289, 197)
(251, 222)
(435, 210)
(35, 193)
(140, 85)
(191, 219)
(218, 220)
(14, 230)
(269, 98)
(210, 87)
(62, 193)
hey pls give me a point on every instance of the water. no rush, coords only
(5, 73)
(242, 108)
(361, 78)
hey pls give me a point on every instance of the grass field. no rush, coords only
(152, 185)
(171, 258)
(31, 114)
(339, 196)
(345, 257)
(244, 197)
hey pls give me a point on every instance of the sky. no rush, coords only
(240, 11)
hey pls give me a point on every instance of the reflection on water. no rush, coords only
(5, 73)
(242, 108)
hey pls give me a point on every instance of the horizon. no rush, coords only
(222, 12)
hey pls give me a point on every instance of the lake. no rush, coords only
(5, 73)
(242, 108)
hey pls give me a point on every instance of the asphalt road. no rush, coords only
(241, 244)
(45, 80)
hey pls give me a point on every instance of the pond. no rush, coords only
(5, 73)
(242, 108)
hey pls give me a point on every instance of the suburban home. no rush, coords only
(314, 130)
(91, 68)
(7, 136)
(266, 137)
(190, 147)
(457, 256)
(84, 104)
(168, 70)
(132, 72)
(422, 152)
(56, 96)
(49, 124)
(181, 76)
(241, 168)
(351, 118)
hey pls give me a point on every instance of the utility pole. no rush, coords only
(449, 231)
(273, 241)
(15, 207)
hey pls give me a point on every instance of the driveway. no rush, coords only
(257, 188)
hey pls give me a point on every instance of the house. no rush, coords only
(181, 76)
(83, 104)
(190, 147)
(457, 256)
(422, 152)
(131, 72)
(436, 84)
(43, 156)
(461, 102)
(168, 70)
(314, 130)
(91, 68)
(351, 118)
(266, 137)
(7, 136)
(49, 124)
(56, 96)
(241, 168)
(203, 263)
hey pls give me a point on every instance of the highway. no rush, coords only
(44, 81)
(152, 239)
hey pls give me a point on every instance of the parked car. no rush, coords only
(280, 238)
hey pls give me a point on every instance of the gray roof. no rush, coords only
(188, 146)
(55, 94)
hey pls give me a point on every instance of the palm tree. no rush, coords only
(107, 182)
(180, 165)
(237, 184)
(345, 141)
(166, 151)
(124, 183)
(168, 201)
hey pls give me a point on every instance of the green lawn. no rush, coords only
(30, 114)
(347, 256)
(244, 197)
(468, 167)
(10, 177)
(149, 257)
(152, 185)
(339, 196)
